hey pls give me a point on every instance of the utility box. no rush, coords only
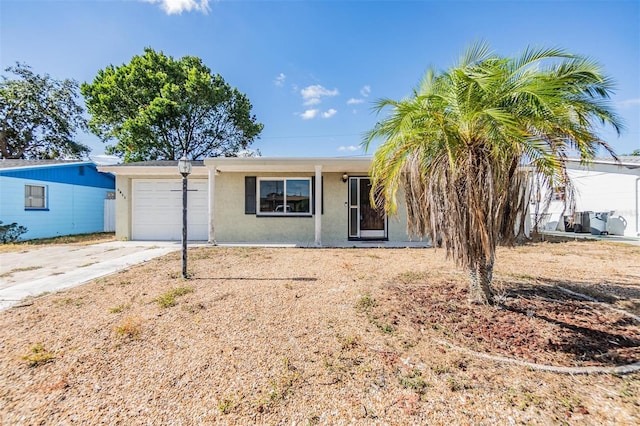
(581, 222)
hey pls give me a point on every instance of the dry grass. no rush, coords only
(304, 336)
(80, 239)
(16, 270)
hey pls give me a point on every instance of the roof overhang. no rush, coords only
(163, 171)
(289, 164)
(628, 162)
(248, 165)
(34, 166)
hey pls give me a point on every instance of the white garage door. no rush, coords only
(157, 210)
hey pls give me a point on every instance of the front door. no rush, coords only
(364, 220)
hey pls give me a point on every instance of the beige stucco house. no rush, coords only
(301, 201)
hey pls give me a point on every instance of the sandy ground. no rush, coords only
(296, 336)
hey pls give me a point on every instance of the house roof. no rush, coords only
(290, 164)
(160, 163)
(73, 172)
(163, 168)
(6, 163)
(628, 161)
(245, 164)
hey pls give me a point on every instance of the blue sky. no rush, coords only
(313, 69)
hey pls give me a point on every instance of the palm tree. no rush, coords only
(465, 145)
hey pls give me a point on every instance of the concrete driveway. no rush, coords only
(33, 271)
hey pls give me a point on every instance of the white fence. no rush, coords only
(109, 215)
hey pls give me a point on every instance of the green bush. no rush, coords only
(10, 233)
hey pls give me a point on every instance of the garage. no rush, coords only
(157, 210)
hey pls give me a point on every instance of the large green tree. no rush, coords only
(39, 116)
(465, 146)
(157, 108)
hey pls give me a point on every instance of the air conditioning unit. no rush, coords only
(598, 222)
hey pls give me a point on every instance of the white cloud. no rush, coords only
(349, 148)
(279, 81)
(629, 103)
(309, 114)
(329, 113)
(313, 113)
(364, 92)
(178, 6)
(312, 95)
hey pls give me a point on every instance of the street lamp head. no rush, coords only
(184, 166)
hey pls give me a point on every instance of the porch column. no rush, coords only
(318, 203)
(212, 197)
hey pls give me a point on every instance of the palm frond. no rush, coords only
(475, 53)
(457, 146)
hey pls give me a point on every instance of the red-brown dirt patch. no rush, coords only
(536, 323)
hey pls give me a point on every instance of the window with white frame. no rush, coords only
(35, 197)
(284, 196)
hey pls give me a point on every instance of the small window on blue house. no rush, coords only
(35, 197)
(81, 170)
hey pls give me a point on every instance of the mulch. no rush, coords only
(536, 323)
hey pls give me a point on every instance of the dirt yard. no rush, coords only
(332, 336)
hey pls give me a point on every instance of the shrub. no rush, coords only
(10, 233)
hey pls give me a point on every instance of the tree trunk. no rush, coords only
(480, 291)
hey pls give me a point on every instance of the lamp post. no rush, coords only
(184, 168)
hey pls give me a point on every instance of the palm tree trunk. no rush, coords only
(480, 276)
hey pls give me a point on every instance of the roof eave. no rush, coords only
(151, 170)
(289, 164)
(44, 166)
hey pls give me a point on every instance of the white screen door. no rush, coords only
(364, 220)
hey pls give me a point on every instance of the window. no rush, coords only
(284, 196)
(35, 197)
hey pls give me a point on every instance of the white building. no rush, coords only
(603, 186)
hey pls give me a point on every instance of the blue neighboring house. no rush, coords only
(54, 197)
